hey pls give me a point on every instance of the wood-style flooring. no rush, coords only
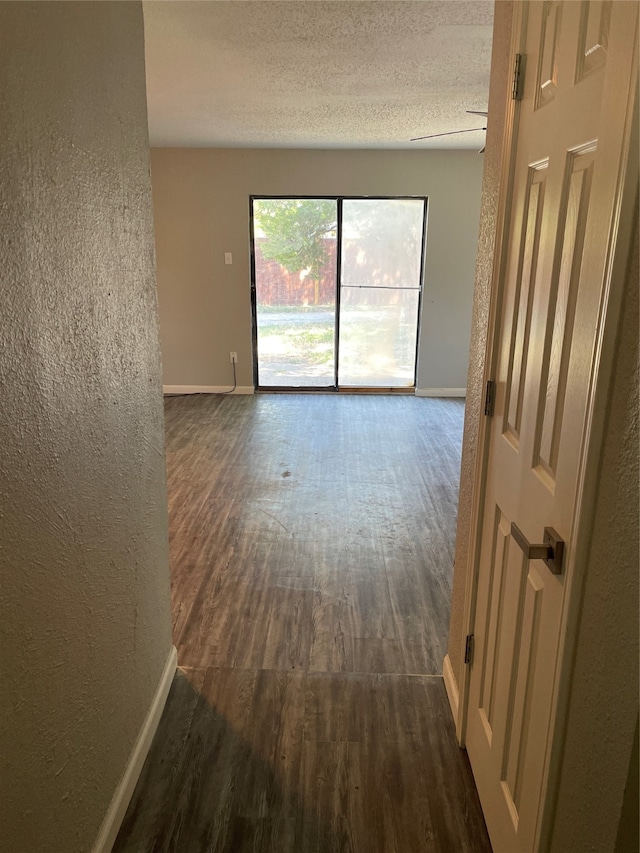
(311, 544)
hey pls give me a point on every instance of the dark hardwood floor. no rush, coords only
(311, 541)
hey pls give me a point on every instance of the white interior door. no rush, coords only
(572, 133)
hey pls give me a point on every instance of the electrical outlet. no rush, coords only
(228, 258)
(233, 357)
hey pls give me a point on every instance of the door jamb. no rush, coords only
(507, 169)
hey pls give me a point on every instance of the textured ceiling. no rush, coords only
(315, 74)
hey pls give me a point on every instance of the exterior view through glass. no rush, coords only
(301, 308)
(294, 244)
(380, 291)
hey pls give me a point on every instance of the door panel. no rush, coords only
(571, 131)
(561, 312)
(523, 303)
(520, 713)
(548, 52)
(594, 37)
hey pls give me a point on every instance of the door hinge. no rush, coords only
(518, 77)
(490, 398)
(468, 649)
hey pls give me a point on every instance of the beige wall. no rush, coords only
(201, 211)
(84, 593)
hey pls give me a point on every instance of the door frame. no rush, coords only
(620, 242)
(335, 388)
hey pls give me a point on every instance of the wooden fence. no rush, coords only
(276, 286)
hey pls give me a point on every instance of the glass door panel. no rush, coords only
(295, 269)
(380, 281)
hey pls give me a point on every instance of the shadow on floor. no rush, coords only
(277, 762)
(205, 788)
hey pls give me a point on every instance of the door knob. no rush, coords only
(551, 550)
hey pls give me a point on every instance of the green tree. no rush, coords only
(295, 228)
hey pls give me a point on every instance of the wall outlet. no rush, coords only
(233, 357)
(228, 258)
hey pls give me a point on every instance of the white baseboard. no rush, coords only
(206, 389)
(120, 801)
(451, 687)
(441, 392)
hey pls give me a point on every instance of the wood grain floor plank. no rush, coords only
(311, 546)
(305, 762)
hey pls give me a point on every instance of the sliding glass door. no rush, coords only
(380, 275)
(336, 288)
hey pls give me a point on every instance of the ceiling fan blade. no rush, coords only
(448, 133)
(477, 112)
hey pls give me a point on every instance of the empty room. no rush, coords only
(319, 505)
(301, 232)
(304, 230)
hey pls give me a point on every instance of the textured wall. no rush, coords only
(84, 594)
(201, 211)
(628, 837)
(500, 85)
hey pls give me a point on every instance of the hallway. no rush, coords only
(311, 542)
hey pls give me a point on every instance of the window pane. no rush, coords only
(380, 291)
(378, 337)
(295, 276)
